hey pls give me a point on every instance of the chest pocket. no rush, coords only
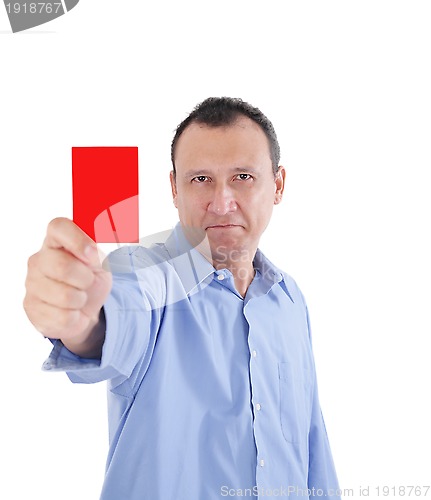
(295, 402)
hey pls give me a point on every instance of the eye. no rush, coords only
(244, 177)
(200, 178)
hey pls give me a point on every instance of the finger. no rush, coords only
(56, 293)
(64, 233)
(61, 266)
(97, 293)
(55, 322)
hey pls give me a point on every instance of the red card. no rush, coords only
(105, 193)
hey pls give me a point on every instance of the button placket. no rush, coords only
(258, 406)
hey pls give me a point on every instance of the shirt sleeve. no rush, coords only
(132, 323)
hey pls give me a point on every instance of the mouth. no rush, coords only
(222, 226)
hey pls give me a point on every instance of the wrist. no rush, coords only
(90, 343)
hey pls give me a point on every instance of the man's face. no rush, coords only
(225, 187)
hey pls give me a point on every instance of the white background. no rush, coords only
(347, 86)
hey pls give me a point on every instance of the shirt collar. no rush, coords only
(269, 273)
(266, 268)
(195, 271)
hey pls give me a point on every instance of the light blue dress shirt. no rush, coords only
(211, 395)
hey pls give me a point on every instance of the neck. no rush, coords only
(242, 270)
(239, 263)
(242, 276)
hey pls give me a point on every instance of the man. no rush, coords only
(204, 342)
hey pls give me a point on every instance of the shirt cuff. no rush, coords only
(61, 359)
(86, 370)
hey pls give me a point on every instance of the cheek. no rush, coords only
(188, 206)
(260, 210)
(259, 202)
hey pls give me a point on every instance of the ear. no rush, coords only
(174, 188)
(279, 184)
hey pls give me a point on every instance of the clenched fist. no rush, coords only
(66, 287)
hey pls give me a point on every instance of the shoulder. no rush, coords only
(294, 290)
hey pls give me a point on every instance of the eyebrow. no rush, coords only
(235, 170)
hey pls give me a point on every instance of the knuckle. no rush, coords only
(56, 222)
(53, 225)
(62, 268)
(81, 298)
(65, 297)
(31, 310)
(65, 318)
(25, 304)
(32, 261)
(72, 298)
(31, 293)
(67, 269)
(82, 280)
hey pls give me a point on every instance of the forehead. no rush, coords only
(242, 141)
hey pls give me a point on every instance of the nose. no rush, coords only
(222, 201)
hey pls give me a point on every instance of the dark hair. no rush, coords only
(224, 111)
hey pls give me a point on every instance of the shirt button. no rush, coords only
(220, 277)
(254, 354)
(258, 407)
(261, 462)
